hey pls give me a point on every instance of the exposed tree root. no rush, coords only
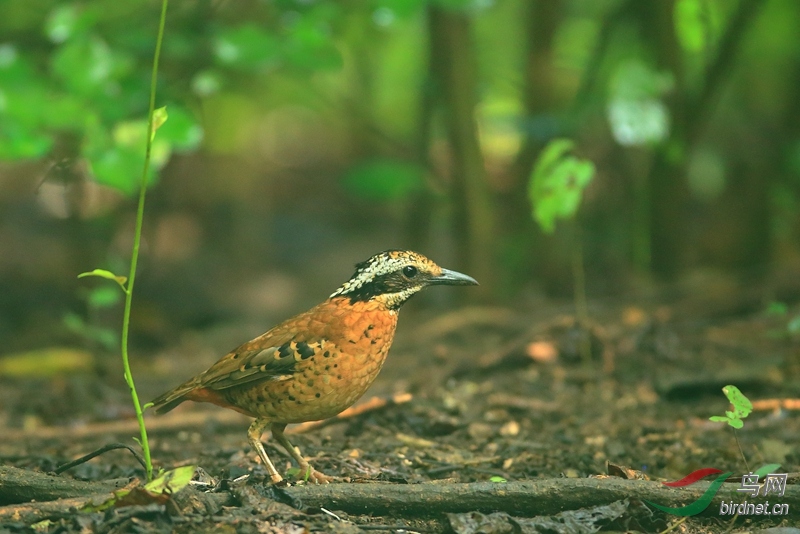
(523, 499)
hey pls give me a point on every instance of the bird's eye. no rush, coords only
(409, 271)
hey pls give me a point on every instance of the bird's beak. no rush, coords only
(453, 278)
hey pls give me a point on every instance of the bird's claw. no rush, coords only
(311, 476)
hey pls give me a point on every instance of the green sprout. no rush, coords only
(557, 183)
(155, 119)
(741, 408)
(295, 472)
(555, 190)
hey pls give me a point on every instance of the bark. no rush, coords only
(453, 65)
(22, 485)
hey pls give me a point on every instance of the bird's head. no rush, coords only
(393, 276)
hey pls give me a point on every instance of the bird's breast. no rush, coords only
(355, 341)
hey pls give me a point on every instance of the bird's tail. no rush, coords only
(172, 398)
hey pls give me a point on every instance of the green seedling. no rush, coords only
(155, 119)
(741, 408)
(735, 418)
(156, 491)
(557, 183)
(555, 190)
(294, 472)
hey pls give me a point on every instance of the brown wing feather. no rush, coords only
(271, 356)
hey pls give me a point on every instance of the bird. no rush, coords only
(318, 363)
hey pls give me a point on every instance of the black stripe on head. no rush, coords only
(393, 282)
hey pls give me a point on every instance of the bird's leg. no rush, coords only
(254, 436)
(305, 468)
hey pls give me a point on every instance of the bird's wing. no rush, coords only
(264, 358)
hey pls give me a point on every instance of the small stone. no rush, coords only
(511, 428)
(542, 351)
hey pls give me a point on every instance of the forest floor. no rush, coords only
(472, 395)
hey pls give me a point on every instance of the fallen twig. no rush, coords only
(525, 499)
(105, 448)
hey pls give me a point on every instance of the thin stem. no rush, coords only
(137, 238)
(581, 305)
(735, 435)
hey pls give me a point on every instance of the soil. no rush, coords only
(482, 395)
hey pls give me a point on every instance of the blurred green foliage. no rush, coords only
(81, 91)
(384, 179)
(557, 183)
(687, 107)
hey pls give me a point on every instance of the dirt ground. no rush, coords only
(479, 393)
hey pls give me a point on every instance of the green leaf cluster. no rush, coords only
(557, 183)
(741, 408)
(73, 79)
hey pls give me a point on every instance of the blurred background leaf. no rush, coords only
(306, 130)
(557, 183)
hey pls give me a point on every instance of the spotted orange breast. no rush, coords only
(336, 349)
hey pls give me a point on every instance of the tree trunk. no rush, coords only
(453, 65)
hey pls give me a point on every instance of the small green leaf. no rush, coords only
(160, 116)
(247, 47)
(182, 131)
(22, 142)
(61, 22)
(766, 469)
(172, 481)
(777, 308)
(690, 26)
(498, 480)
(155, 491)
(148, 405)
(719, 419)
(736, 423)
(741, 404)
(309, 46)
(42, 526)
(108, 275)
(557, 182)
(103, 296)
(293, 472)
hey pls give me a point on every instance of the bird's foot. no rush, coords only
(312, 476)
